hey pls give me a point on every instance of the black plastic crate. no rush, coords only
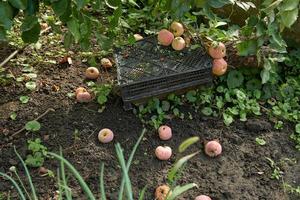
(147, 69)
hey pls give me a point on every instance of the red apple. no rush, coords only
(165, 37)
(92, 73)
(219, 67)
(217, 51)
(105, 135)
(178, 43)
(80, 90)
(83, 97)
(163, 153)
(177, 29)
(213, 148)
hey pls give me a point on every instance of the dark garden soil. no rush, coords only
(242, 172)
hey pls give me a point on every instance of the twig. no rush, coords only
(39, 117)
(13, 54)
(10, 57)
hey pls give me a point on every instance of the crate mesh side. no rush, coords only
(147, 60)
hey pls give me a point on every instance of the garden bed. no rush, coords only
(242, 172)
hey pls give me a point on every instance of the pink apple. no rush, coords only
(165, 37)
(105, 135)
(163, 153)
(165, 132)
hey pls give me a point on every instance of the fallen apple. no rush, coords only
(106, 63)
(84, 97)
(92, 73)
(105, 135)
(162, 192)
(213, 148)
(219, 67)
(163, 153)
(202, 197)
(165, 132)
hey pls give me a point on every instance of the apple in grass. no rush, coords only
(178, 43)
(217, 50)
(106, 63)
(177, 29)
(165, 37)
(219, 67)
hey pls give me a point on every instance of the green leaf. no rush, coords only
(228, 119)
(288, 18)
(19, 4)
(188, 142)
(191, 96)
(101, 99)
(260, 141)
(288, 5)
(178, 190)
(60, 7)
(115, 19)
(265, 76)
(218, 3)
(29, 23)
(114, 4)
(253, 84)
(165, 105)
(6, 15)
(13, 116)
(81, 3)
(178, 165)
(68, 40)
(24, 99)
(30, 29)
(32, 126)
(235, 79)
(297, 128)
(30, 85)
(73, 27)
(247, 47)
(32, 7)
(207, 111)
